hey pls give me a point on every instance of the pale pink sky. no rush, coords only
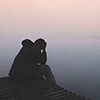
(60, 19)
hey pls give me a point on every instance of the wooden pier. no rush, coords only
(34, 90)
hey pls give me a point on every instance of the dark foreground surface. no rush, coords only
(34, 90)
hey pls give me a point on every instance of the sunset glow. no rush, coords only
(71, 29)
(60, 19)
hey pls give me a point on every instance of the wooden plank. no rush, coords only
(34, 90)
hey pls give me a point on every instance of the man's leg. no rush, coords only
(46, 71)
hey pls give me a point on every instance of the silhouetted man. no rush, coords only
(30, 63)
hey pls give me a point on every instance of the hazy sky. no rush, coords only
(50, 19)
(55, 20)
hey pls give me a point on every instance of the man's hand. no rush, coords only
(44, 46)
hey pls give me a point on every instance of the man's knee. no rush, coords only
(47, 67)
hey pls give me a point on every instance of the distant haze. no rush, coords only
(51, 19)
(72, 31)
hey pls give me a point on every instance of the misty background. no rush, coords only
(72, 31)
(74, 63)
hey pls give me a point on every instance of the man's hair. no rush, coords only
(39, 41)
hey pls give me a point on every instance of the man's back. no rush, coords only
(30, 62)
(28, 58)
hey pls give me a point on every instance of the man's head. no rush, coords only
(40, 43)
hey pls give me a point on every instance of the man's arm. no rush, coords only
(42, 56)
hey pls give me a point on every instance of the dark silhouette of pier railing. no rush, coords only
(34, 90)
